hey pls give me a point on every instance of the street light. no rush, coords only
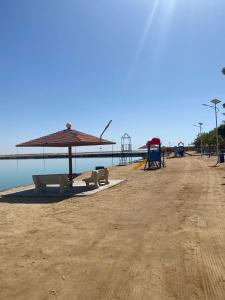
(216, 109)
(200, 133)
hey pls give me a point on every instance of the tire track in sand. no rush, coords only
(204, 260)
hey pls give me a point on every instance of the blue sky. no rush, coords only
(146, 64)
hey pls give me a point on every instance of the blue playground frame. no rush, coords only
(180, 150)
(155, 155)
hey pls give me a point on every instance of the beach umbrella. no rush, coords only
(66, 138)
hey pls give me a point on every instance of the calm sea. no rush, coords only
(15, 173)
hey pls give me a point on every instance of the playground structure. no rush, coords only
(179, 150)
(126, 150)
(155, 156)
(140, 164)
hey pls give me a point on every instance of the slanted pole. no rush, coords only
(70, 163)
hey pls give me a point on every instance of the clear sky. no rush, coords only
(146, 64)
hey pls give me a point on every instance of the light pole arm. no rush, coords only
(212, 106)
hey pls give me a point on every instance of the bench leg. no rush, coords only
(62, 189)
(89, 183)
(96, 184)
(65, 188)
(40, 188)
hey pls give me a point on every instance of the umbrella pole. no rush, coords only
(70, 163)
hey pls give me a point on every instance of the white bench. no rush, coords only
(98, 177)
(41, 181)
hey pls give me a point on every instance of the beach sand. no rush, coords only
(158, 235)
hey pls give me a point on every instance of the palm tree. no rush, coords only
(223, 71)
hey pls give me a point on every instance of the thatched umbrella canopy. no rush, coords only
(66, 138)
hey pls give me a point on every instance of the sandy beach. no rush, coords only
(158, 235)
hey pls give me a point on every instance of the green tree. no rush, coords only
(209, 138)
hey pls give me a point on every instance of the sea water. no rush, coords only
(15, 173)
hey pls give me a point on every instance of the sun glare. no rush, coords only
(147, 27)
(166, 7)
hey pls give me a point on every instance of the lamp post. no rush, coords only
(200, 133)
(215, 102)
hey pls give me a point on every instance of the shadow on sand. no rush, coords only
(51, 195)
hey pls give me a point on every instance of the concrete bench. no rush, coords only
(97, 178)
(41, 181)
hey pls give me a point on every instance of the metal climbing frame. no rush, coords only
(126, 150)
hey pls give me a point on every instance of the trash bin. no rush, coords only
(99, 167)
(221, 157)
